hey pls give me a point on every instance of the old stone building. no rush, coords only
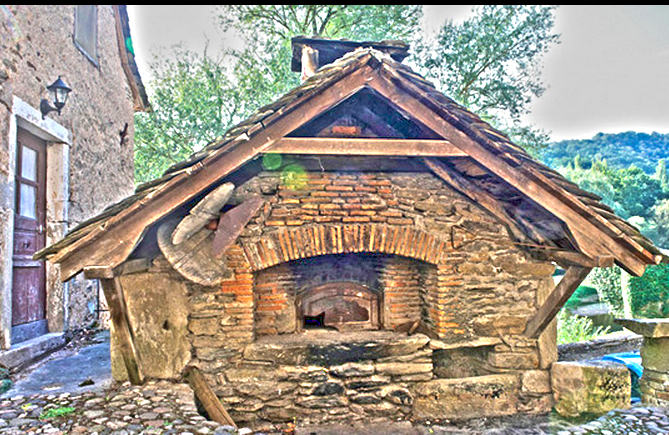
(362, 248)
(58, 169)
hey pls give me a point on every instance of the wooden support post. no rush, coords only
(207, 398)
(118, 310)
(573, 277)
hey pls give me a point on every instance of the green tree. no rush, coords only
(194, 101)
(196, 97)
(661, 174)
(491, 64)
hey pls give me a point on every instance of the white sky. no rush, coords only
(610, 73)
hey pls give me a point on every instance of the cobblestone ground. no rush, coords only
(168, 409)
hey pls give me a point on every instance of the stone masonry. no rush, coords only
(430, 253)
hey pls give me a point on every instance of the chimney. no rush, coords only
(309, 54)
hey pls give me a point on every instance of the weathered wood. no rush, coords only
(573, 277)
(365, 147)
(207, 209)
(106, 272)
(136, 265)
(99, 272)
(123, 331)
(592, 235)
(193, 257)
(207, 398)
(231, 224)
(569, 258)
(112, 243)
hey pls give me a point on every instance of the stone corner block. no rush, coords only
(595, 387)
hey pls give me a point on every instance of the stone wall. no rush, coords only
(36, 46)
(431, 253)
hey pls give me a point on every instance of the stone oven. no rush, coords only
(363, 248)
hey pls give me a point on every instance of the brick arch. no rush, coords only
(314, 240)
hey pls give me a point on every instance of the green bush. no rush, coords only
(582, 292)
(572, 329)
(608, 284)
(649, 294)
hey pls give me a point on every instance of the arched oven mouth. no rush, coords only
(341, 306)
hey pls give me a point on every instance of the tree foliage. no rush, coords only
(620, 150)
(649, 293)
(194, 101)
(196, 97)
(491, 64)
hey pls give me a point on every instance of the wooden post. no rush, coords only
(118, 311)
(573, 277)
(207, 397)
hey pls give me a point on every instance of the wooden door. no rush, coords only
(29, 276)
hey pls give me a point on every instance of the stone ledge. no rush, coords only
(590, 387)
(332, 348)
(651, 328)
(25, 352)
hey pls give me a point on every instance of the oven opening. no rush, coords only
(341, 306)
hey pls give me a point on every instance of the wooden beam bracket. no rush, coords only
(204, 394)
(573, 277)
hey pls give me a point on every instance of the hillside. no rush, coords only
(620, 150)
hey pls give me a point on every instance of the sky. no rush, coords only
(610, 72)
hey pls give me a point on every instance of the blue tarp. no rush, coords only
(631, 359)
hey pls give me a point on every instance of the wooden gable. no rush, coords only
(367, 104)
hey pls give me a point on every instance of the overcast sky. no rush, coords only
(610, 73)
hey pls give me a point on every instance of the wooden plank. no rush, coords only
(207, 398)
(365, 147)
(112, 243)
(569, 258)
(123, 331)
(592, 239)
(231, 224)
(573, 277)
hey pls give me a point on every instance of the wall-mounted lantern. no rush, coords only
(58, 92)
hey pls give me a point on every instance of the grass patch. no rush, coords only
(56, 412)
(572, 329)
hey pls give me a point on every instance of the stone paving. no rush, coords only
(52, 403)
(168, 409)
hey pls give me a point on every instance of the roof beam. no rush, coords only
(111, 244)
(593, 239)
(365, 147)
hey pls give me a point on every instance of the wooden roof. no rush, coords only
(542, 210)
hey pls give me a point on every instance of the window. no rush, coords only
(86, 30)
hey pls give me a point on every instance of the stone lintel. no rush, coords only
(649, 328)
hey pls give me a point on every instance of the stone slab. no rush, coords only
(586, 387)
(652, 328)
(25, 352)
(474, 397)
(333, 349)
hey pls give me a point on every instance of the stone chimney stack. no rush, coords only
(309, 54)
